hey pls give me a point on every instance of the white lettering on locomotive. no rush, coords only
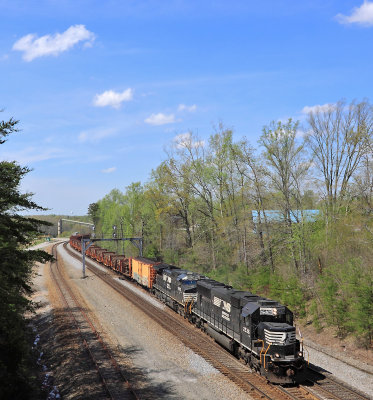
(221, 303)
(225, 315)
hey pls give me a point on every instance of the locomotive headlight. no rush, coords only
(300, 354)
(277, 355)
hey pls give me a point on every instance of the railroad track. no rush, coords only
(319, 386)
(329, 388)
(113, 380)
(253, 384)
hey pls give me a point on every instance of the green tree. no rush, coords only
(16, 233)
(93, 212)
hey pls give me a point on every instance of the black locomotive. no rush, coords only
(258, 330)
(255, 329)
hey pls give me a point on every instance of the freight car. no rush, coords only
(258, 330)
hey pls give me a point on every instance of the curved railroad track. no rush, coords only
(253, 384)
(318, 386)
(112, 378)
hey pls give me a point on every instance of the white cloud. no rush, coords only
(95, 135)
(183, 107)
(109, 170)
(300, 133)
(31, 155)
(317, 108)
(33, 47)
(186, 140)
(362, 15)
(160, 119)
(113, 99)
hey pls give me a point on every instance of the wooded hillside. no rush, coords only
(196, 211)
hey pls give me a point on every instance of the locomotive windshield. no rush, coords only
(188, 282)
(273, 318)
(285, 318)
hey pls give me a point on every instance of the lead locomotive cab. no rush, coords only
(275, 343)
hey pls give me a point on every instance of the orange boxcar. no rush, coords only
(143, 271)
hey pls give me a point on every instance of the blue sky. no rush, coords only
(102, 87)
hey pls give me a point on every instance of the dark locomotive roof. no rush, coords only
(255, 302)
(250, 298)
(174, 272)
(268, 303)
(168, 266)
(163, 266)
(210, 283)
(238, 298)
(247, 301)
(204, 286)
(190, 276)
(181, 275)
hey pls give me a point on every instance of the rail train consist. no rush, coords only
(255, 329)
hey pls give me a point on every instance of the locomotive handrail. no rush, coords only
(308, 353)
(261, 351)
(191, 305)
(186, 307)
(264, 357)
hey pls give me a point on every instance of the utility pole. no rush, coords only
(121, 231)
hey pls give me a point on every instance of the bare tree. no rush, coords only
(252, 184)
(363, 183)
(286, 169)
(339, 137)
(192, 164)
(173, 194)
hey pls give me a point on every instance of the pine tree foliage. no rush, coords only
(16, 233)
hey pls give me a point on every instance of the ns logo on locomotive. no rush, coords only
(258, 330)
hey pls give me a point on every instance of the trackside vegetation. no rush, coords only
(209, 207)
(17, 379)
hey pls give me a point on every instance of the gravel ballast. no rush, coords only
(159, 364)
(168, 369)
(344, 372)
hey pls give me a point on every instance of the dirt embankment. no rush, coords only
(66, 371)
(346, 350)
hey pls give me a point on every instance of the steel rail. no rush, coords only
(97, 359)
(251, 383)
(330, 388)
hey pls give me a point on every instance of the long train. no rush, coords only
(258, 330)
